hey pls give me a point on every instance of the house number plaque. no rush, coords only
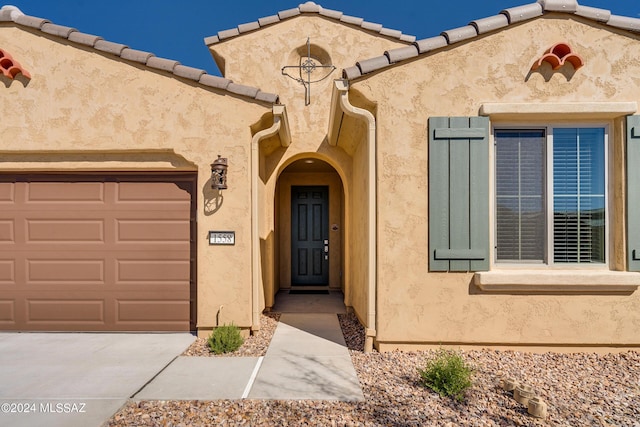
(222, 237)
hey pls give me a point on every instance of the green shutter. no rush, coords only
(633, 192)
(458, 193)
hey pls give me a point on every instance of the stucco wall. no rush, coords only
(257, 58)
(82, 110)
(359, 238)
(417, 306)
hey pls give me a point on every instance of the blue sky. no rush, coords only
(176, 29)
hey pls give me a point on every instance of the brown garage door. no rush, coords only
(96, 253)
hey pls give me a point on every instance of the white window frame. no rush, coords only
(548, 262)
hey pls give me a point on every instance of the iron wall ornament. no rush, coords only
(219, 173)
(307, 67)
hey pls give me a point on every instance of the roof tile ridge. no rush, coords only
(523, 13)
(481, 26)
(569, 6)
(9, 13)
(57, 30)
(31, 21)
(600, 15)
(308, 8)
(624, 22)
(447, 37)
(148, 59)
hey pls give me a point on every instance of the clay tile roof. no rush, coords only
(30, 21)
(149, 60)
(57, 30)
(478, 27)
(309, 8)
(372, 64)
(136, 55)
(401, 53)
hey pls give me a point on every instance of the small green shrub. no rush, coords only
(447, 374)
(225, 339)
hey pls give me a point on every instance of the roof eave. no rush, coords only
(12, 14)
(487, 25)
(307, 9)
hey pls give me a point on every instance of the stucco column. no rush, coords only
(280, 126)
(341, 102)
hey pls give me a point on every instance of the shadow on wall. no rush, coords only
(270, 285)
(213, 199)
(273, 158)
(20, 78)
(547, 72)
(129, 159)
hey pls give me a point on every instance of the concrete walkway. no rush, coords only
(82, 379)
(307, 359)
(77, 379)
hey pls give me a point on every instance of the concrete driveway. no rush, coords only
(78, 379)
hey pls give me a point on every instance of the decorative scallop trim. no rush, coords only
(558, 55)
(10, 67)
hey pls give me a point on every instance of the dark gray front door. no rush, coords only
(310, 235)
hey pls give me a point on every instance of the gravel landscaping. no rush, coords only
(254, 346)
(581, 389)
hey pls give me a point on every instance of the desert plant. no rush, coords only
(225, 339)
(447, 374)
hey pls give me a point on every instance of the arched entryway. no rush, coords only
(310, 227)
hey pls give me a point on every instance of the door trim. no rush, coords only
(317, 241)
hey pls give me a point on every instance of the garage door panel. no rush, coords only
(143, 310)
(112, 269)
(7, 312)
(66, 271)
(152, 230)
(71, 291)
(108, 294)
(7, 193)
(152, 271)
(65, 230)
(161, 192)
(7, 272)
(47, 192)
(68, 311)
(69, 249)
(102, 256)
(7, 231)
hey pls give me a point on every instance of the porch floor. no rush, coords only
(309, 303)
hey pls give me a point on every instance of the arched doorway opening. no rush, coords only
(309, 214)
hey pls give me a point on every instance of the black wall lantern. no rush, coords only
(219, 173)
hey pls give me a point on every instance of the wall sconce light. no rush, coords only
(219, 173)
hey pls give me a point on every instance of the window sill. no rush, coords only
(553, 110)
(558, 281)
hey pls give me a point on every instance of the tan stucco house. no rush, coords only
(480, 187)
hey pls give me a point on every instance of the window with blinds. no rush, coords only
(550, 179)
(520, 195)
